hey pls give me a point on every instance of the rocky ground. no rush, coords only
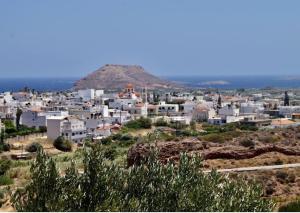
(259, 148)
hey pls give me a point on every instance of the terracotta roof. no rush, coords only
(129, 86)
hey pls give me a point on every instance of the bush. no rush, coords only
(106, 141)
(291, 207)
(62, 144)
(150, 186)
(33, 147)
(177, 125)
(269, 139)
(247, 143)
(278, 162)
(110, 153)
(141, 123)
(4, 166)
(270, 190)
(248, 127)
(214, 137)
(161, 122)
(187, 133)
(126, 137)
(292, 178)
(42, 129)
(5, 147)
(5, 180)
(282, 176)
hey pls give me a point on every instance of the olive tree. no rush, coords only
(150, 186)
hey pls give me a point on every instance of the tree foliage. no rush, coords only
(150, 186)
(141, 123)
(18, 117)
(62, 144)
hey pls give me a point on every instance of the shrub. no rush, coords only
(177, 125)
(291, 207)
(282, 176)
(106, 141)
(4, 166)
(248, 127)
(42, 129)
(4, 147)
(214, 137)
(292, 178)
(141, 123)
(62, 144)
(247, 143)
(161, 122)
(33, 147)
(126, 137)
(187, 133)
(5, 180)
(110, 153)
(269, 139)
(278, 162)
(150, 186)
(193, 125)
(270, 189)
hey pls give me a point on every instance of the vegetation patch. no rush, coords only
(33, 147)
(141, 123)
(62, 144)
(291, 207)
(150, 186)
(5, 180)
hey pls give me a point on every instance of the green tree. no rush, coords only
(1, 137)
(43, 191)
(18, 117)
(150, 186)
(62, 144)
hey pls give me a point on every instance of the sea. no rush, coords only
(220, 82)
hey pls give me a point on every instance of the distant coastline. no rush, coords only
(221, 82)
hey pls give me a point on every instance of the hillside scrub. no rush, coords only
(293, 206)
(62, 144)
(12, 131)
(141, 123)
(148, 187)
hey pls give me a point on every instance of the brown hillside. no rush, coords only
(118, 76)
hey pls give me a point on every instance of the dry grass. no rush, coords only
(271, 158)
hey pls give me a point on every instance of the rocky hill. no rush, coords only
(113, 76)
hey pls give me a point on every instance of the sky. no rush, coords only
(71, 38)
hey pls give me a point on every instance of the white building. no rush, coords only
(123, 103)
(228, 110)
(188, 107)
(71, 128)
(89, 94)
(38, 118)
(287, 111)
(216, 121)
(181, 119)
(251, 107)
(203, 113)
(164, 108)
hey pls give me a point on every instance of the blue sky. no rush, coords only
(60, 38)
